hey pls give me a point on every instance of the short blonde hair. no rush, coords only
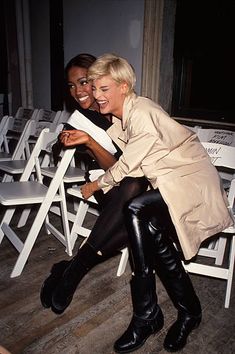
(118, 68)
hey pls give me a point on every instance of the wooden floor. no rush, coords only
(100, 311)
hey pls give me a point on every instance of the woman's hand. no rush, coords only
(89, 189)
(74, 137)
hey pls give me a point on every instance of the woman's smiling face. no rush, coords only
(109, 95)
(80, 88)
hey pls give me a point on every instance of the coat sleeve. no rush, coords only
(139, 147)
(129, 163)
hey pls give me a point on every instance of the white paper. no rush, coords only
(94, 174)
(80, 122)
(218, 136)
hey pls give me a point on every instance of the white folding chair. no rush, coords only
(16, 125)
(18, 159)
(63, 118)
(11, 130)
(74, 175)
(215, 249)
(3, 128)
(7, 121)
(221, 156)
(26, 192)
(15, 166)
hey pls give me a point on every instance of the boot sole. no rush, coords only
(180, 348)
(141, 344)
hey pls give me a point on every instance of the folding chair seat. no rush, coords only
(221, 155)
(26, 192)
(89, 206)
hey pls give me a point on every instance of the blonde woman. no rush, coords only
(186, 201)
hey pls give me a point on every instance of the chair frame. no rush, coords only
(221, 155)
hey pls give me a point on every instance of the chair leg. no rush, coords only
(230, 272)
(24, 217)
(78, 221)
(123, 261)
(65, 222)
(30, 240)
(220, 250)
(6, 219)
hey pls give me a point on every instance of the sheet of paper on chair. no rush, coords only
(80, 122)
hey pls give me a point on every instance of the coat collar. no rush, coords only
(127, 106)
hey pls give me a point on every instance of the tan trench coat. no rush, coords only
(173, 160)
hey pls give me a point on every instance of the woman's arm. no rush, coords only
(130, 163)
(77, 137)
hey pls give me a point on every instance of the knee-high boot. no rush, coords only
(78, 267)
(179, 288)
(147, 316)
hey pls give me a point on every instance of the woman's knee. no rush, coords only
(134, 207)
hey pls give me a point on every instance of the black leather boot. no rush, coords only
(80, 265)
(147, 316)
(180, 290)
(51, 282)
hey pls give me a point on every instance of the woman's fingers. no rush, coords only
(89, 189)
(86, 191)
(73, 137)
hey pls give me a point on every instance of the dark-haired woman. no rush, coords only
(113, 237)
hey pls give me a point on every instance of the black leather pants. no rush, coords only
(147, 209)
(109, 233)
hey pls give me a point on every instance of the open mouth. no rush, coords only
(83, 99)
(102, 104)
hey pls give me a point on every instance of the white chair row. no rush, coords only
(27, 192)
(14, 164)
